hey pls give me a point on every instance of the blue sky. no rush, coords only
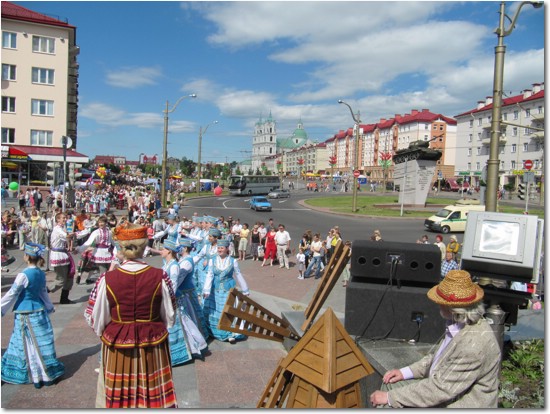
(293, 59)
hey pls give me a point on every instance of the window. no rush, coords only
(8, 135)
(469, 137)
(478, 150)
(513, 149)
(525, 146)
(43, 44)
(42, 107)
(479, 136)
(43, 138)
(527, 113)
(501, 149)
(505, 116)
(516, 114)
(515, 131)
(478, 166)
(441, 127)
(540, 109)
(471, 123)
(469, 152)
(479, 121)
(41, 75)
(469, 166)
(502, 165)
(527, 131)
(8, 104)
(9, 40)
(8, 72)
(426, 127)
(512, 165)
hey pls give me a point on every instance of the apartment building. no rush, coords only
(39, 94)
(379, 141)
(521, 138)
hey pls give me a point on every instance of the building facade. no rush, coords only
(521, 139)
(39, 95)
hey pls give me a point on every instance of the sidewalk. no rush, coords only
(232, 376)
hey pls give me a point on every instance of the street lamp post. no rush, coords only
(356, 154)
(165, 147)
(201, 132)
(500, 50)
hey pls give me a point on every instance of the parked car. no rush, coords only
(260, 204)
(279, 194)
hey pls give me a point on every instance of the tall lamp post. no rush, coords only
(201, 132)
(500, 50)
(165, 145)
(356, 154)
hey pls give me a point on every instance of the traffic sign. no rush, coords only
(527, 164)
(356, 174)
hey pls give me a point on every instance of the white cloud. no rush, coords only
(133, 77)
(111, 116)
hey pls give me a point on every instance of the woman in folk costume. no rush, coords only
(198, 234)
(100, 243)
(189, 302)
(30, 357)
(61, 261)
(223, 272)
(130, 308)
(202, 258)
(172, 231)
(185, 338)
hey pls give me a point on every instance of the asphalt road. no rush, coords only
(298, 218)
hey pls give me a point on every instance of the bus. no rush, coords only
(253, 184)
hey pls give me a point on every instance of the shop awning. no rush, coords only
(51, 154)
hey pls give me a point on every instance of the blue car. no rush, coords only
(260, 204)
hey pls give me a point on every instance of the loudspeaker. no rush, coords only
(415, 264)
(376, 311)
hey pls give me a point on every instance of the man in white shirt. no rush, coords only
(282, 239)
(236, 232)
(315, 247)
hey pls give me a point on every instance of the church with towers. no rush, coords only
(266, 144)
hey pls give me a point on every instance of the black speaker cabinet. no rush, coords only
(415, 264)
(376, 311)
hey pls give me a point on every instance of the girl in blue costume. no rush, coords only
(187, 298)
(223, 272)
(202, 258)
(172, 231)
(184, 338)
(30, 357)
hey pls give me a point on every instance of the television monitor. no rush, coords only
(502, 246)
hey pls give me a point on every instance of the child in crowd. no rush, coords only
(70, 227)
(301, 261)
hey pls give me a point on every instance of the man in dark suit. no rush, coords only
(463, 369)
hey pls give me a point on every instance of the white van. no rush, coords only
(452, 218)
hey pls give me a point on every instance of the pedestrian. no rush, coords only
(439, 243)
(346, 274)
(184, 338)
(255, 241)
(243, 241)
(23, 229)
(30, 357)
(448, 264)
(130, 309)
(305, 245)
(282, 239)
(61, 261)
(236, 233)
(316, 246)
(270, 246)
(301, 262)
(202, 258)
(453, 246)
(223, 275)
(463, 370)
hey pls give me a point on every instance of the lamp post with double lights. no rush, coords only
(165, 147)
(201, 132)
(500, 50)
(356, 155)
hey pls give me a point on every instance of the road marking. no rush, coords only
(243, 208)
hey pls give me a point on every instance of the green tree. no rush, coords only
(187, 166)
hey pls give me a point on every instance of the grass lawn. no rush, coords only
(369, 206)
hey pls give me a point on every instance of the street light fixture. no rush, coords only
(201, 132)
(165, 145)
(356, 154)
(500, 50)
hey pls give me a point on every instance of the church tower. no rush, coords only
(264, 142)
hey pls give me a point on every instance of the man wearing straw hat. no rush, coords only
(463, 369)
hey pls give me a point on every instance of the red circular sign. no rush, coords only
(356, 174)
(527, 164)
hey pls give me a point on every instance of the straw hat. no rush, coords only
(456, 290)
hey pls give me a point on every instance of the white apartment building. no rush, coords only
(39, 94)
(309, 158)
(522, 136)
